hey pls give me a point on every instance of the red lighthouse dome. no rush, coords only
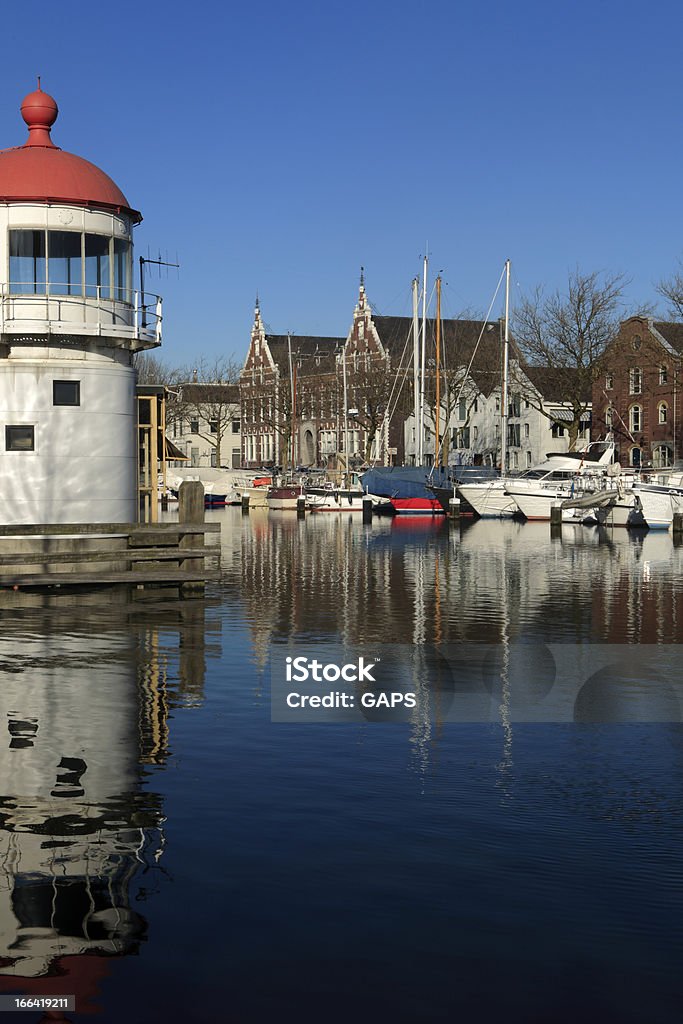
(40, 172)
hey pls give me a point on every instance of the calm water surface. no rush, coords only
(169, 853)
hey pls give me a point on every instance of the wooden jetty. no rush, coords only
(170, 554)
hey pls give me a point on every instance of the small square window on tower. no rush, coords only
(66, 392)
(20, 438)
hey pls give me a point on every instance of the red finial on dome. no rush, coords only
(40, 112)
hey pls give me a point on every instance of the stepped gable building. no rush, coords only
(266, 398)
(376, 361)
(637, 393)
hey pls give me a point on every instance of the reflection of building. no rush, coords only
(326, 576)
(82, 710)
(69, 325)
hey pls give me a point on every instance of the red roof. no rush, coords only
(41, 172)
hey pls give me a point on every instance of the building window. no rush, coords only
(97, 266)
(73, 258)
(64, 262)
(214, 460)
(235, 426)
(609, 381)
(66, 392)
(526, 429)
(557, 430)
(608, 417)
(462, 409)
(20, 438)
(194, 426)
(662, 412)
(475, 433)
(528, 459)
(497, 404)
(515, 406)
(213, 425)
(27, 266)
(635, 381)
(661, 456)
(635, 416)
(663, 375)
(123, 268)
(514, 440)
(635, 457)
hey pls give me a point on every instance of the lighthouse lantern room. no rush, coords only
(70, 323)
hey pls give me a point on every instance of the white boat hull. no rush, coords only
(536, 504)
(658, 505)
(489, 500)
(322, 500)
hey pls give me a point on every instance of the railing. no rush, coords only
(130, 314)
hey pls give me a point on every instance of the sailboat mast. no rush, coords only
(416, 372)
(346, 418)
(504, 388)
(292, 399)
(423, 361)
(437, 449)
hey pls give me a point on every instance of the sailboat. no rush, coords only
(489, 498)
(411, 489)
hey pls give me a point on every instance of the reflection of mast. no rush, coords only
(506, 763)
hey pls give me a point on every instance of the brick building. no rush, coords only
(636, 394)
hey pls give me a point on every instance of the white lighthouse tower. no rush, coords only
(70, 322)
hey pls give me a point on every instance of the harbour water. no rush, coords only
(171, 853)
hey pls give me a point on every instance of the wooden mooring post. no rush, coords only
(191, 511)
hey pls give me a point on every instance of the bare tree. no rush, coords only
(671, 289)
(566, 333)
(151, 369)
(371, 386)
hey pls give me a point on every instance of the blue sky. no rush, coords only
(277, 147)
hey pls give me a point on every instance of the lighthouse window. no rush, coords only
(66, 392)
(64, 263)
(27, 262)
(122, 267)
(97, 266)
(19, 438)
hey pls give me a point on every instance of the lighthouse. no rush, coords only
(70, 324)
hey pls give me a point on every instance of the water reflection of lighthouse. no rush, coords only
(79, 713)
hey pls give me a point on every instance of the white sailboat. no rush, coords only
(488, 498)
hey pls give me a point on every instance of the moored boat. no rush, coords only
(284, 497)
(559, 479)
